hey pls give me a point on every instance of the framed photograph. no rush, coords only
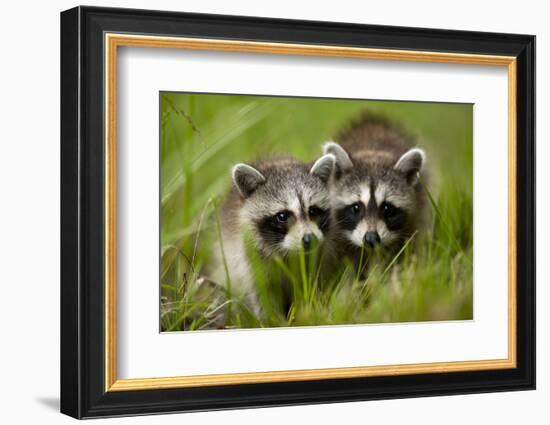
(261, 212)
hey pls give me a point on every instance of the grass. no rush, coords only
(202, 136)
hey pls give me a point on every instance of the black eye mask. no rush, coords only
(273, 229)
(321, 217)
(394, 217)
(349, 216)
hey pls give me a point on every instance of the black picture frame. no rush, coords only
(83, 392)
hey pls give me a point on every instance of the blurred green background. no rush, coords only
(203, 135)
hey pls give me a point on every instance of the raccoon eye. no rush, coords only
(315, 211)
(388, 209)
(356, 208)
(394, 217)
(282, 216)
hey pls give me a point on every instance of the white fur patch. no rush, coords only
(403, 202)
(384, 193)
(386, 237)
(365, 194)
(294, 206)
(357, 235)
(343, 200)
(293, 239)
(317, 232)
(237, 262)
(380, 193)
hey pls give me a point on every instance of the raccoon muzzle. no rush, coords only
(371, 239)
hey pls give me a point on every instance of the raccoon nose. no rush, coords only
(371, 239)
(306, 240)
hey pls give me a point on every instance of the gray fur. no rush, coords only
(380, 162)
(260, 192)
(411, 163)
(323, 167)
(343, 162)
(246, 179)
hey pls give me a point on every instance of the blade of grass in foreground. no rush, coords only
(396, 257)
(224, 258)
(230, 124)
(437, 210)
(263, 275)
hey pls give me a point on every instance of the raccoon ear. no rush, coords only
(323, 167)
(411, 163)
(246, 179)
(343, 162)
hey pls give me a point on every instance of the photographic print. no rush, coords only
(287, 211)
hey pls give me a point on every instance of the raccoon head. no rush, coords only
(376, 201)
(285, 203)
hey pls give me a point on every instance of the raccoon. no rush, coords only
(376, 196)
(283, 204)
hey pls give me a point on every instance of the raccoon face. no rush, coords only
(285, 205)
(375, 202)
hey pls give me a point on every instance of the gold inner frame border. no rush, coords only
(112, 41)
